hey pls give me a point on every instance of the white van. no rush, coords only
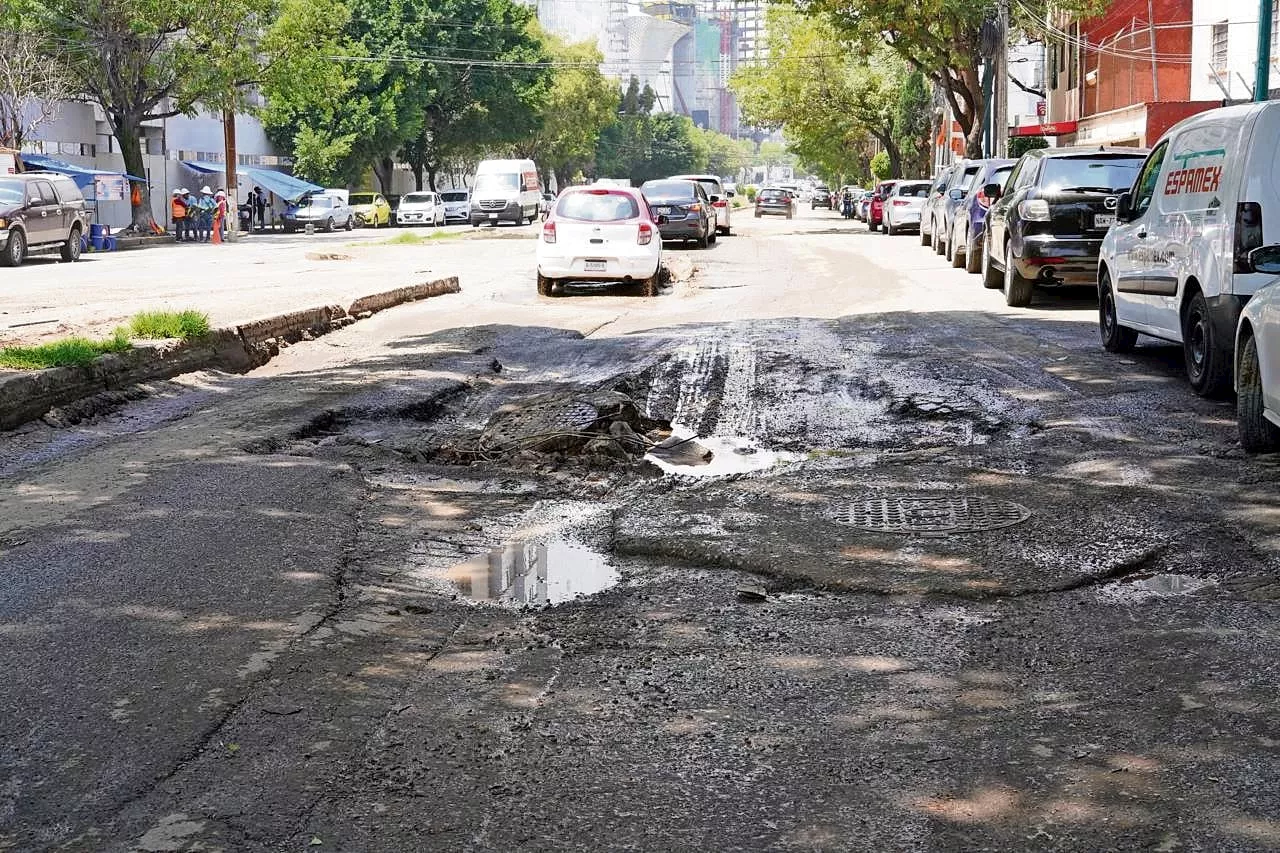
(505, 191)
(1175, 265)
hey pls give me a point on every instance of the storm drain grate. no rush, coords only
(541, 418)
(931, 513)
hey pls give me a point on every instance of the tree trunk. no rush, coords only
(964, 94)
(416, 168)
(432, 169)
(890, 148)
(384, 170)
(129, 135)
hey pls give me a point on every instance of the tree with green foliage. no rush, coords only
(881, 167)
(1019, 145)
(829, 100)
(642, 145)
(581, 102)
(403, 79)
(913, 119)
(145, 60)
(945, 39)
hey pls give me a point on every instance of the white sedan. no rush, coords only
(420, 208)
(599, 233)
(904, 206)
(1257, 368)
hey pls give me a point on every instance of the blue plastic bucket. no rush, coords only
(97, 235)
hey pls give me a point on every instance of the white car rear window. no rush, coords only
(597, 207)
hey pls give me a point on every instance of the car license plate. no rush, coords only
(493, 216)
(597, 266)
(1104, 220)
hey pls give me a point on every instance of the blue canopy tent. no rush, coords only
(287, 187)
(82, 175)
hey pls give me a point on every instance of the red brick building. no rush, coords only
(1124, 77)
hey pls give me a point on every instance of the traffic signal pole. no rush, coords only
(1262, 73)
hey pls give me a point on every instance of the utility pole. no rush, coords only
(1262, 74)
(1000, 115)
(229, 141)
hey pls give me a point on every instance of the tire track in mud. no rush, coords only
(711, 387)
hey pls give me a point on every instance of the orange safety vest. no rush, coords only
(178, 208)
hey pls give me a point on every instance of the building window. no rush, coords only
(1220, 34)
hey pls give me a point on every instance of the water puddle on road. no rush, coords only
(520, 572)
(717, 456)
(1130, 591)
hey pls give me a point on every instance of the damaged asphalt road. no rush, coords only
(933, 575)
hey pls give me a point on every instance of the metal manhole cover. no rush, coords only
(541, 418)
(931, 513)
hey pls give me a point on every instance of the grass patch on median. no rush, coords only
(79, 351)
(156, 325)
(408, 238)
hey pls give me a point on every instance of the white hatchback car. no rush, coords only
(904, 206)
(1257, 361)
(719, 198)
(599, 233)
(420, 208)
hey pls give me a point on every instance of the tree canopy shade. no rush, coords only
(828, 98)
(942, 38)
(142, 60)
(353, 83)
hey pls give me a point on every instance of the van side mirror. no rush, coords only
(957, 195)
(993, 191)
(1265, 260)
(1124, 208)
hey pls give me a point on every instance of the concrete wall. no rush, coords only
(1241, 17)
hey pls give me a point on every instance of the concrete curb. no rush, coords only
(30, 395)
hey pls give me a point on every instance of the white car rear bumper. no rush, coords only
(616, 266)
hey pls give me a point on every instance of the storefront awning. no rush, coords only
(287, 187)
(82, 175)
(1057, 128)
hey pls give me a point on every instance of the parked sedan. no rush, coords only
(719, 197)
(1046, 226)
(420, 208)
(599, 233)
(1257, 361)
(322, 210)
(371, 208)
(968, 221)
(457, 205)
(903, 206)
(943, 210)
(774, 201)
(875, 210)
(862, 207)
(685, 207)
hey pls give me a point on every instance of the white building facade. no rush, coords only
(1224, 48)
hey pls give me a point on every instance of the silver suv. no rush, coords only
(40, 209)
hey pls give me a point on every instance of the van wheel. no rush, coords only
(1257, 434)
(1017, 290)
(71, 248)
(15, 251)
(1208, 363)
(1115, 338)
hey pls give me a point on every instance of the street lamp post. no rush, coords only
(1262, 73)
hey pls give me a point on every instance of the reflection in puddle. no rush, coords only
(727, 455)
(533, 572)
(1155, 586)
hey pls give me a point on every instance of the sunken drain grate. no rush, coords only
(930, 513)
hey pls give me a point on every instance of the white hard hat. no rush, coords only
(205, 189)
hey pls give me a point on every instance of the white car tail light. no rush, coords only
(549, 232)
(900, 202)
(646, 234)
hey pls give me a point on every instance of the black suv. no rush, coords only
(821, 198)
(1047, 223)
(40, 209)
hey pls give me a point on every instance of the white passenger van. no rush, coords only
(1175, 265)
(505, 191)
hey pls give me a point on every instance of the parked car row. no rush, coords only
(1174, 240)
